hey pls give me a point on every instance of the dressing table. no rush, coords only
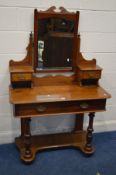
(55, 79)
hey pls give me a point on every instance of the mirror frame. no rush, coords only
(62, 13)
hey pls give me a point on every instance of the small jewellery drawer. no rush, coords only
(90, 74)
(52, 108)
(21, 77)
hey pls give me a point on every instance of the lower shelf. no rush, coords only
(41, 142)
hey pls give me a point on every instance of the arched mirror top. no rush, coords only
(54, 39)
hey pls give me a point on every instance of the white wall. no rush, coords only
(98, 39)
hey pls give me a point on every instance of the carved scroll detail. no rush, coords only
(80, 59)
(53, 9)
(28, 59)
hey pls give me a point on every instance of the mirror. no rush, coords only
(54, 40)
(55, 43)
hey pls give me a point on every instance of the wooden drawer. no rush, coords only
(52, 108)
(90, 74)
(21, 77)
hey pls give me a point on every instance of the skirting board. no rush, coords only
(99, 126)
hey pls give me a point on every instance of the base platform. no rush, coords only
(41, 142)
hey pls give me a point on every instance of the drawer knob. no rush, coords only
(91, 74)
(21, 77)
(84, 105)
(41, 108)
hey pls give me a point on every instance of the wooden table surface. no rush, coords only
(50, 93)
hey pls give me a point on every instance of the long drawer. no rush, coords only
(21, 77)
(52, 108)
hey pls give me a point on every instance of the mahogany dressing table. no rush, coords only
(55, 53)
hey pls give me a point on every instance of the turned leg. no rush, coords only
(27, 137)
(88, 146)
(22, 126)
(78, 123)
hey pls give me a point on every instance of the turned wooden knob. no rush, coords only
(41, 108)
(91, 74)
(84, 105)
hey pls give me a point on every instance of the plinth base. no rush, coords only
(41, 142)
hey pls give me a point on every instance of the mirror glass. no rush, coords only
(55, 43)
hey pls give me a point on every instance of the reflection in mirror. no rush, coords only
(55, 43)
